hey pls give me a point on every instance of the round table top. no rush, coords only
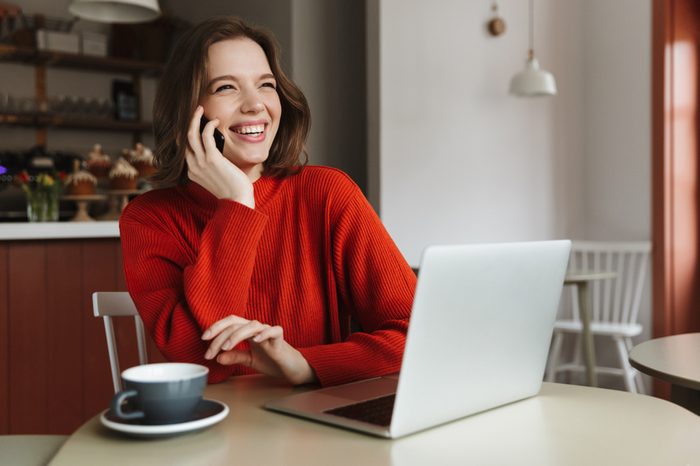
(675, 359)
(563, 424)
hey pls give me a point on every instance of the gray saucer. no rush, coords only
(207, 413)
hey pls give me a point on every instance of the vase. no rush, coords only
(42, 206)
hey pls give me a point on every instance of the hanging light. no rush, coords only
(116, 11)
(533, 81)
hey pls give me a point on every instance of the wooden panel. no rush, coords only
(64, 289)
(58, 375)
(99, 274)
(4, 344)
(28, 374)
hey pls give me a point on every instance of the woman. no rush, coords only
(247, 261)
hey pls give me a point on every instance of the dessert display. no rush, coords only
(123, 176)
(80, 183)
(141, 157)
(81, 186)
(98, 162)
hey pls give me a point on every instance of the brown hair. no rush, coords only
(184, 81)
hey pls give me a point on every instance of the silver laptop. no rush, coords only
(478, 338)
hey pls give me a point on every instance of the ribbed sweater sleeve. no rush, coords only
(376, 287)
(180, 290)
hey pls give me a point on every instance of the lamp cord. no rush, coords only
(531, 51)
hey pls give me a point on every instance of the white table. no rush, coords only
(580, 281)
(674, 359)
(564, 424)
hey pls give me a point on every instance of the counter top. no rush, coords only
(58, 230)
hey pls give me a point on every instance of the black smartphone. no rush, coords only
(218, 137)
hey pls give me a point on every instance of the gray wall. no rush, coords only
(328, 47)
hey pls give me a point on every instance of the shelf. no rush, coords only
(65, 121)
(11, 53)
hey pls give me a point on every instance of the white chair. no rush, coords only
(108, 304)
(614, 304)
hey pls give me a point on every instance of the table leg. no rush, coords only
(686, 397)
(586, 336)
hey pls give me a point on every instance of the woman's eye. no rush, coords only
(225, 87)
(270, 85)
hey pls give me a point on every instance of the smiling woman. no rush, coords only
(246, 260)
(241, 97)
(201, 63)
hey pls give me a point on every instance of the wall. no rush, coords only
(328, 47)
(617, 119)
(274, 15)
(462, 161)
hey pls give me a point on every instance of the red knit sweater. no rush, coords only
(310, 255)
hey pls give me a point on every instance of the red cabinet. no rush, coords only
(54, 370)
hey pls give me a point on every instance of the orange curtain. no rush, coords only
(675, 169)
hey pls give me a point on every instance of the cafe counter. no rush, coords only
(58, 230)
(54, 370)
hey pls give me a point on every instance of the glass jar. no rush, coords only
(42, 205)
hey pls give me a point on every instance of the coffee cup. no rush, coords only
(164, 393)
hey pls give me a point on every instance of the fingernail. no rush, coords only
(226, 346)
(206, 335)
(207, 355)
(257, 338)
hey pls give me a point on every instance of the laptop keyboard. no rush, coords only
(376, 411)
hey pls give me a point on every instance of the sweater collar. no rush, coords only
(263, 188)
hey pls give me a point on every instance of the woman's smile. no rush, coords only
(253, 131)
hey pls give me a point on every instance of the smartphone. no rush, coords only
(218, 137)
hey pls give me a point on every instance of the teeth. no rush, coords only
(253, 129)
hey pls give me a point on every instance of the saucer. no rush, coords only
(207, 413)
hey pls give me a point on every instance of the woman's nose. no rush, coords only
(252, 104)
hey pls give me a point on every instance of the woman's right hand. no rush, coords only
(210, 169)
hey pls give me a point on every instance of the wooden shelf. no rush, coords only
(12, 53)
(48, 120)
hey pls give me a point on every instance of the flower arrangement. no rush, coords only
(42, 192)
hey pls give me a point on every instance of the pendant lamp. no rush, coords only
(533, 81)
(116, 11)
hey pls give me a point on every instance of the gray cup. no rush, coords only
(165, 393)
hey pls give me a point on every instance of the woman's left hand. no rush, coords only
(268, 352)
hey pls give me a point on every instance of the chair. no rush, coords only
(108, 304)
(614, 304)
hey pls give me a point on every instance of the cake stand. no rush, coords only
(118, 199)
(82, 201)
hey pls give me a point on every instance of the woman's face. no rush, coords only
(241, 93)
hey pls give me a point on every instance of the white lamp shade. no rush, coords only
(533, 82)
(116, 11)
